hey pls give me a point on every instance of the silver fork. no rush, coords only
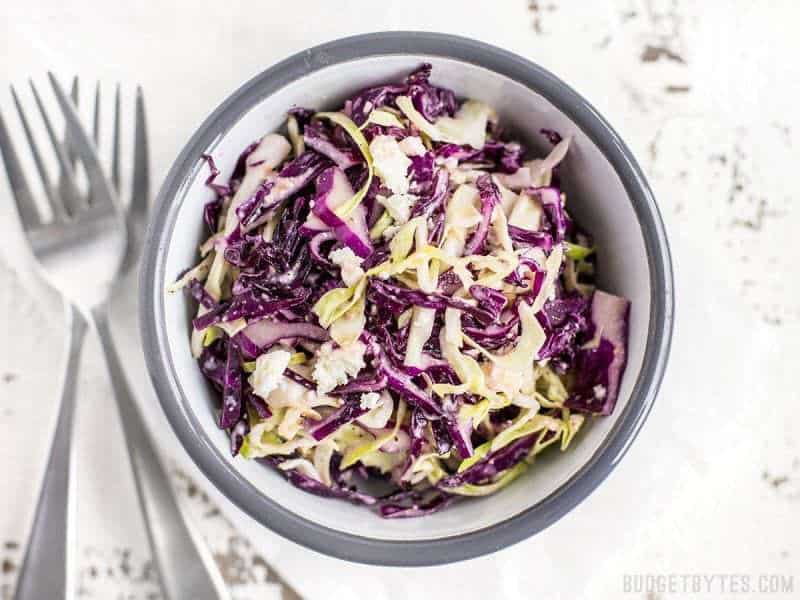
(82, 250)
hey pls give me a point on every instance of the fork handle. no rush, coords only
(184, 563)
(47, 569)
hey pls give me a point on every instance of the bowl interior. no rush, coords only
(595, 197)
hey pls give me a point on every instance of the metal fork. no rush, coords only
(82, 251)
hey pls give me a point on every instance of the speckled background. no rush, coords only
(705, 93)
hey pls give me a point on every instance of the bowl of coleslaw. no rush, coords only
(408, 298)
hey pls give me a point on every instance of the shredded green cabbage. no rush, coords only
(380, 226)
(467, 127)
(293, 129)
(507, 477)
(347, 328)
(576, 251)
(383, 117)
(354, 132)
(360, 452)
(338, 301)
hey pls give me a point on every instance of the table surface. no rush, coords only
(706, 95)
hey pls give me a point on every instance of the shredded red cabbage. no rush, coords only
(331, 341)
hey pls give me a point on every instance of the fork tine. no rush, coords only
(95, 128)
(73, 93)
(115, 142)
(140, 188)
(55, 202)
(101, 191)
(75, 97)
(71, 194)
(96, 117)
(28, 213)
(63, 184)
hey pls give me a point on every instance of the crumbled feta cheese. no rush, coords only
(379, 409)
(599, 391)
(334, 366)
(391, 164)
(399, 206)
(412, 146)
(349, 263)
(269, 372)
(291, 394)
(370, 400)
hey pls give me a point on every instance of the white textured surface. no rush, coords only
(704, 93)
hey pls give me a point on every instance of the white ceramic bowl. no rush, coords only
(607, 195)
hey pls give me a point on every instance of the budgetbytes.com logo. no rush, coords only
(654, 584)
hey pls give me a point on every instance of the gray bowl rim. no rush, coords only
(417, 552)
